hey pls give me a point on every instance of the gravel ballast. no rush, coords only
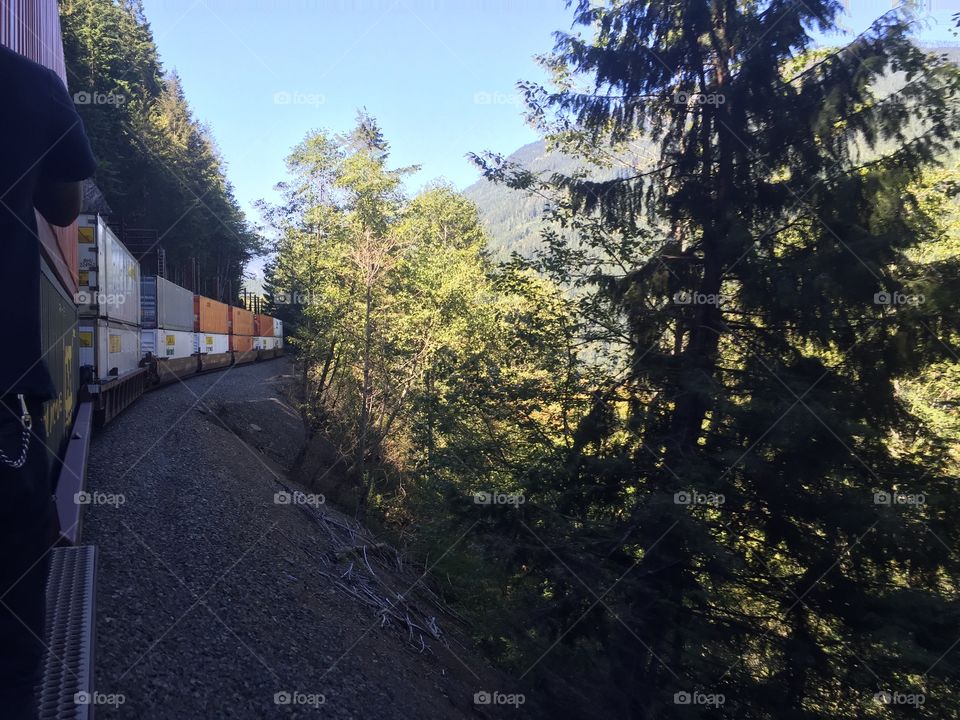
(211, 601)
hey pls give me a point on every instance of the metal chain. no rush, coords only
(27, 424)
(24, 447)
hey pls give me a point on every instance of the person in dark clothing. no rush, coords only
(44, 156)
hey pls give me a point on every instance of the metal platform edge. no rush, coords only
(73, 475)
(67, 689)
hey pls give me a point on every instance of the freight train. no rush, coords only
(108, 336)
(137, 332)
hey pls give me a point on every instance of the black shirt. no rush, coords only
(41, 139)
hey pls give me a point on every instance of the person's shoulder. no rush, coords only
(14, 66)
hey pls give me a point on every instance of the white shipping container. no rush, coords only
(210, 343)
(166, 305)
(111, 349)
(277, 328)
(167, 343)
(262, 343)
(109, 284)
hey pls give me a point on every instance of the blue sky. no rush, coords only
(439, 75)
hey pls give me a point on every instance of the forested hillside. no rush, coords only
(513, 219)
(158, 166)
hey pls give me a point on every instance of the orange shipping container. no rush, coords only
(263, 326)
(241, 321)
(241, 343)
(210, 316)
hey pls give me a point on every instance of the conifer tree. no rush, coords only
(736, 535)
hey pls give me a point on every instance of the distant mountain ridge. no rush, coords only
(514, 219)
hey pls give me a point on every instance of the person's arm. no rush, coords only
(59, 202)
(59, 191)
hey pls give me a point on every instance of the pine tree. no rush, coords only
(158, 167)
(735, 522)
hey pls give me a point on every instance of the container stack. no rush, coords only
(277, 333)
(108, 301)
(211, 325)
(263, 332)
(166, 315)
(241, 330)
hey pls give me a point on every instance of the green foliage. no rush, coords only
(158, 167)
(740, 274)
(718, 403)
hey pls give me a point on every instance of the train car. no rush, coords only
(108, 300)
(167, 337)
(211, 333)
(32, 28)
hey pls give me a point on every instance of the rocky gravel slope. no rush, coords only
(216, 601)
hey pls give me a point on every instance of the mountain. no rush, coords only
(513, 219)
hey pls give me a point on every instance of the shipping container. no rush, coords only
(58, 333)
(109, 274)
(168, 344)
(111, 349)
(241, 321)
(263, 325)
(241, 343)
(277, 328)
(165, 305)
(211, 344)
(210, 316)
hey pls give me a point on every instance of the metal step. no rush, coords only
(68, 665)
